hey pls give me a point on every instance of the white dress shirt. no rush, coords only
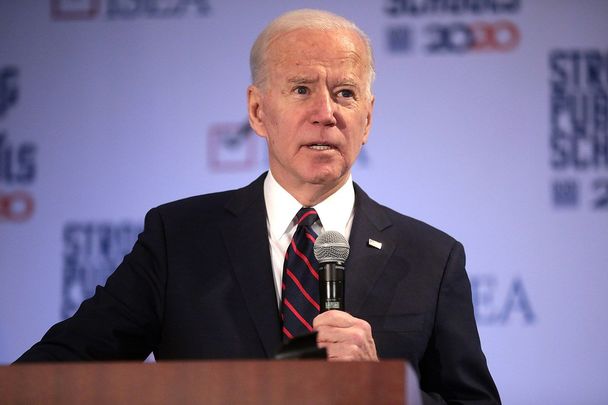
(336, 213)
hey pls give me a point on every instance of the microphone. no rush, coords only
(331, 251)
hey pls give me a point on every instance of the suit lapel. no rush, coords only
(246, 238)
(366, 263)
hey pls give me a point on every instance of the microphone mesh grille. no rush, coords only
(331, 246)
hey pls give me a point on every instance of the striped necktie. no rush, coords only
(300, 287)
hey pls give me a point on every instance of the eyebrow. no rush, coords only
(302, 80)
(346, 81)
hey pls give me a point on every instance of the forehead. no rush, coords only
(307, 48)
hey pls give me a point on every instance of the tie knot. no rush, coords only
(307, 216)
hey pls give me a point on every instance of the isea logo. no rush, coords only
(127, 9)
(91, 252)
(500, 301)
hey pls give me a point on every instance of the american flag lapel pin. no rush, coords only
(374, 244)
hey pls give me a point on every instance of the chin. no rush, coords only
(327, 177)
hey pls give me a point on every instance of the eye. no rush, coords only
(346, 93)
(302, 90)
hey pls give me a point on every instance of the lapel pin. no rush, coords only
(374, 243)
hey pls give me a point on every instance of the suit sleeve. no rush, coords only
(122, 320)
(454, 368)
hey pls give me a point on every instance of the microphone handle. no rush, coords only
(331, 286)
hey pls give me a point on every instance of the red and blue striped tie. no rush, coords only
(300, 303)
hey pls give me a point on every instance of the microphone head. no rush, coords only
(331, 246)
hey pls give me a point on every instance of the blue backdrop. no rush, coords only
(491, 123)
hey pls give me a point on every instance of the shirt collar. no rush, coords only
(281, 207)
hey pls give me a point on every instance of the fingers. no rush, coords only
(345, 337)
(335, 318)
(342, 352)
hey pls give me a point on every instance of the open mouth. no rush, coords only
(320, 146)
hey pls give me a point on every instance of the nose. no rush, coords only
(323, 112)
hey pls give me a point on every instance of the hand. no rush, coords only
(345, 337)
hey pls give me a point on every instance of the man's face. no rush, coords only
(314, 108)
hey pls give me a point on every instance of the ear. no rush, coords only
(255, 111)
(368, 120)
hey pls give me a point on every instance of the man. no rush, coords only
(209, 278)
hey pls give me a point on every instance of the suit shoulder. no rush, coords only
(193, 211)
(213, 206)
(420, 226)
(206, 202)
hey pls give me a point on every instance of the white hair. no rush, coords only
(302, 19)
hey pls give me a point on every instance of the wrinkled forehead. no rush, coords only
(303, 48)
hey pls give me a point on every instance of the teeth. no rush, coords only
(320, 147)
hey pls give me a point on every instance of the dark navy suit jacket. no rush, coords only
(198, 284)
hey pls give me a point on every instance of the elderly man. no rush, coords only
(228, 275)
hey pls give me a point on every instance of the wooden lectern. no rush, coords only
(211, 382)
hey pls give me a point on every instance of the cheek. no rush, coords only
(270, 112)
(357, 132)
(277, 138)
